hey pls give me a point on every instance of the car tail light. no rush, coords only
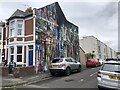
(61, 65)
(98, 74)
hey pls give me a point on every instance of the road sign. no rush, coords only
(38, 47)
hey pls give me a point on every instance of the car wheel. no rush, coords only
(87, 66)
(100, 88)
(68, 71)
(53, 74)
(79, 69)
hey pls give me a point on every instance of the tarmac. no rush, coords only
(10, 81)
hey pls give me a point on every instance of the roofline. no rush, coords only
(29, 15)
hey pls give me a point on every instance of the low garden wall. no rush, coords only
(19, 71)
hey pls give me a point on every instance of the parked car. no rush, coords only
(101, 61)
(92, 62)
(64, 65)
(109, 75)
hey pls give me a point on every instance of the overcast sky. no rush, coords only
(93, 17)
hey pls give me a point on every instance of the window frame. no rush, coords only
(20, 21)
(12, 54)
(0, 33)
(19, 54)
(12, 28)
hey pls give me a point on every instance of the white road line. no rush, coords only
(35, 86)
(93, 74)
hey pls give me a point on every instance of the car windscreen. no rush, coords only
(57, 60)
(112, 67)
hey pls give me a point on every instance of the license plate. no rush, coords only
(114, 77)
(55, 66)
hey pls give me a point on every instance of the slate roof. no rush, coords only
(19, 14)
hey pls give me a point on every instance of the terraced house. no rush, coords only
(40, 35)
(2, 42)
(91, 44)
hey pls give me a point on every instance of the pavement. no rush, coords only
(11, 81)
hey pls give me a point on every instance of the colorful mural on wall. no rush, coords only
(54, 40)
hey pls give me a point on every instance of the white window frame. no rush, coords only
(22, 32)
(19, 54)
(16, 28)
(1, 30)
(12, 28)
(12, 54)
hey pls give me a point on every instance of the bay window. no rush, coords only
(16, 28)
(12, 28)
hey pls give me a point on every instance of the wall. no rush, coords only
(25, 71)
(83, 58)
(21, 71)
(29, 29)
(4, 71)
(89, 44)
(55, 35)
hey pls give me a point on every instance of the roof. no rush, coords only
(112, 61)
(19, 14)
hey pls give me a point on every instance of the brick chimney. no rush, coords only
(29, 11)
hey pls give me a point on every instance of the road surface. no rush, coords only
(85, 79)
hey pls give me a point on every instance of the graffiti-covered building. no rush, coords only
(55, 36)
(41, 35)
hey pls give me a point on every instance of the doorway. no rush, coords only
(30, 53)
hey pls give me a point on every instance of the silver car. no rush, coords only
(109, 75)
(64, 65)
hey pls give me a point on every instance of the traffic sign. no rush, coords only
(38, 47)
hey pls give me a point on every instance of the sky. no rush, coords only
(97, 18)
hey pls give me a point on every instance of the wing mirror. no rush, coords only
(75, 61)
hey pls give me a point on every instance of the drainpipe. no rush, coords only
(34, 34)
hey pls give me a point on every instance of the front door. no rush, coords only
(30, 57)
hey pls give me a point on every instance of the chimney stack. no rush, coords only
(29, 10)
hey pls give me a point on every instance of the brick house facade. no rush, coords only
(20, 37)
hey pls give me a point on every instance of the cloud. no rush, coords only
(99, 19)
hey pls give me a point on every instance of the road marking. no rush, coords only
(35, 86)
(93, 74)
